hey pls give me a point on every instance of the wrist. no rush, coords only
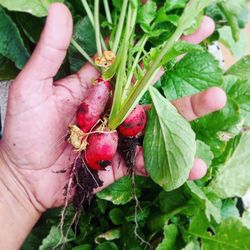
(18, 207)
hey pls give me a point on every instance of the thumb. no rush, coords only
(51, 48)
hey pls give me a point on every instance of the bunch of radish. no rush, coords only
(97, 143)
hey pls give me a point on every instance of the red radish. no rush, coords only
(101, 149)
(134, 123)
(92, 108)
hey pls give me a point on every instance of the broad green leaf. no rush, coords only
(35, 7)
(241, 69)
(147, 14)
(198, 223)
(84, 35)
(231, 234)
(170, 237)
(238, 49)
(107, 246)
(141, 215)
(32, 26)
(229, 209)
(169, 144)
(204, 152)
(174, 200)
(210, 208)
(239, 92)
(218, 128)
(174, 4)
(195, 72)
(108, 236)
(55, 239)
(233, 178)
(246, 219)
(11, 43)
(8, 69)
(83, 247)
(193, 245)
(117, 216)
(119, 192)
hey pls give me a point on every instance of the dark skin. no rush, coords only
(39, 111)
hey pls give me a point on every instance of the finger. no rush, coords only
(119, 170)
(205, 30)
(201, 104)
(52, 46)
(198, 171)
(75, 87)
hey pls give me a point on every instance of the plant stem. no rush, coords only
(120, 26)
(107, 11)
(88, 11)
(193, 9)
(83, 52)
(91, 19)
(97, 28)
(121, 74)
(141, 44)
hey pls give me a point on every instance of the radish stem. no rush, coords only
(120, 26)
(107, 11)
(82, 52)
(97, 28)
(91, 18)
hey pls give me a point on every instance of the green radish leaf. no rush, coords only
(239, 48)
(117, 216)
(233, 178)
(54, 239)
(170, 201)
(239, 92)
(204, 152)
(246, 219)
(180, 48)
(229, 209)
(193, 245)
(174, 4)
(197, 71)
(241, 69)
(119, 192)
(83, 247)
(170, 238)
(169, 144)
(230, 234)
(210, 209)
(11, 43)
(108, 236)
(147, 14)
(107, 246)
(35, 7)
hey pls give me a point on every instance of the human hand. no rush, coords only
(40, 110)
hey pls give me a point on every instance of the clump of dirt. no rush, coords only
(127, 150)
(84, 182)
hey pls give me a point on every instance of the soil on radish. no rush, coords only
(84, 182)
(127, 150)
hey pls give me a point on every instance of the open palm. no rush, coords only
(40, 110)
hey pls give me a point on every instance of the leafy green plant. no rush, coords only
(173, 214)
